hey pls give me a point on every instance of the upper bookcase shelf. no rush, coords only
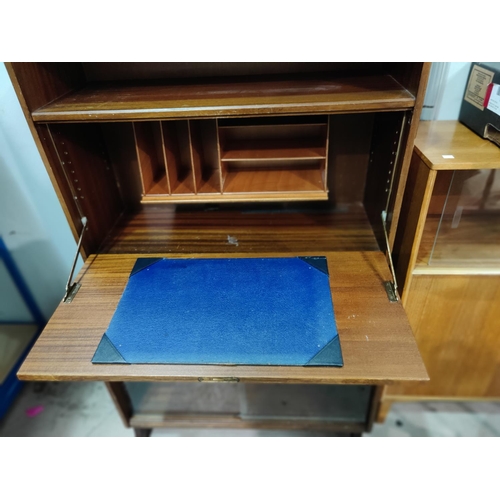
(154, 100)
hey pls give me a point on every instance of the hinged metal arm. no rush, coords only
(72, 288)
(390, 287)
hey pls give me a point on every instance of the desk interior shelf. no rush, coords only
(212, 160)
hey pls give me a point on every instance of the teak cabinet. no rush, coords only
(230, 159)
(447, 259)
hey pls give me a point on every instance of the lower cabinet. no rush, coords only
(330, 408)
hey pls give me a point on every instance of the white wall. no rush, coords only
(450, 93)
(32, 222)
(453, 91)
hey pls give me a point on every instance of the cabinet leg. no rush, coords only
(142, 432)
(121, 399)
(383, 409)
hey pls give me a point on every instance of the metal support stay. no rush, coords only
(391, 287)
(72, 288)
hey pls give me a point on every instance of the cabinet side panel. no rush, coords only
(66, 196)
(417, 84)
(84, 161)
(348, 157)
(385, 160)
(28, 92)
(41, 83)
(436, 206)
(409, 74)
(413, 215)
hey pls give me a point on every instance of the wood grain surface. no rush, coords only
(388, 138)
(87, 170)
(265, 151)
(413, 216)
(293, 227)
(416, 81)
(269, 177)
(456, 324)
(232, 97)
(44, 82)
(157, 195)
(377, 343)
(469, 151)
(190, 421)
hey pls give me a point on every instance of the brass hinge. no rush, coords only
(391, 291)
(71, 292)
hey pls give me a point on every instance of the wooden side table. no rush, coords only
(447, 253)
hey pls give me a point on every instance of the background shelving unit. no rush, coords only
(16, 338)
(447, 258)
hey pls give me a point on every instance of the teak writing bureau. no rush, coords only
(233, 160)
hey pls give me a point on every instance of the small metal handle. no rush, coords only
(218, 379)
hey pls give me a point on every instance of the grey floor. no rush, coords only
(85, 409)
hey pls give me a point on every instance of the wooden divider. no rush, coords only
(150, 158)
(177, 150)
(324, 167)
(229, 158)
(205, 156)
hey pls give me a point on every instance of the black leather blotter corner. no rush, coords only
(248, 311)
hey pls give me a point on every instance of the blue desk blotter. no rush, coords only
(249, 311)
